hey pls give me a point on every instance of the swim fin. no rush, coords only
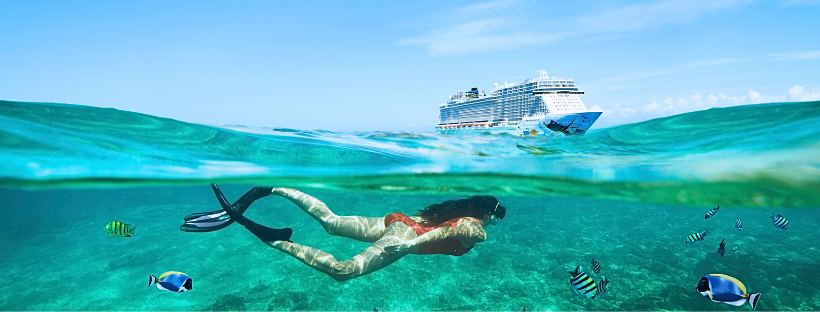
(219, 219)
(264, 233)
(206, 221)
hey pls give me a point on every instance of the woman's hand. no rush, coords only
(397, 248)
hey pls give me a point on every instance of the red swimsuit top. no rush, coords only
(448, 246)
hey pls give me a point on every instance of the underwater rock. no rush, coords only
(289, 301)
(228, 302)
(137, 259)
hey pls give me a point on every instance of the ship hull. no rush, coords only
(550, 125)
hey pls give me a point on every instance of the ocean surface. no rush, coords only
(627, 196)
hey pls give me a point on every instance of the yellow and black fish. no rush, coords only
(119, 229)
(583, 285)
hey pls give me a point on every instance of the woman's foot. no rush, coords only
(264, 233)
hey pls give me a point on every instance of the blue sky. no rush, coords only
(387, 65)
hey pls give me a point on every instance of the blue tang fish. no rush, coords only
(172, 281)
(726, 289)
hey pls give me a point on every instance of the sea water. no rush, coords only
(627, 196)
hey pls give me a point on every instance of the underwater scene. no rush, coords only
(638, 217)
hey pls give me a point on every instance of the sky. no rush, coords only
(351, 66)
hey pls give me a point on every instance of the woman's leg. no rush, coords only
(359, 228)
(355, 227)
(368, 261)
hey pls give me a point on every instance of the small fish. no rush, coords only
(694, 238)
(119, 229)
(726, 289)
(780, 222)
(596, 267)
(712, 212)
(722, 247)
(738, 225)
(602, 286)
(172, 281)
(734, 249)
(583, 285)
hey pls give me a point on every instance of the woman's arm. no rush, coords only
(465, 230)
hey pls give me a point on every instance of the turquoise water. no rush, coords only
(627, 196)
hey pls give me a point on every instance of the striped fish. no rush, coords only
(738, 225)
(583, 285)
(596, 267)
(694, 238)
(602, 287)
(712, 212)
(722, 247)
(119, 229)
(734, 249)
(780, 222)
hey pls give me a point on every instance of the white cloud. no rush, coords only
(671, 106)
(480, 36)
(614, 83)
(803, 2)
(795, 56)
(641, 16)
(715, 62)
(637, 75)
(597, 108)
(485, 7)
(618, 82)
(503, 25)
(754, 97)
(798, 94)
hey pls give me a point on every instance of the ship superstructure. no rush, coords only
(541, 106)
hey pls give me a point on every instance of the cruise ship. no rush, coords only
(544, 106)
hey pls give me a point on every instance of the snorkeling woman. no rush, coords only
(452, 228)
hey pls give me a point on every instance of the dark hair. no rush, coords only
(479, 207)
